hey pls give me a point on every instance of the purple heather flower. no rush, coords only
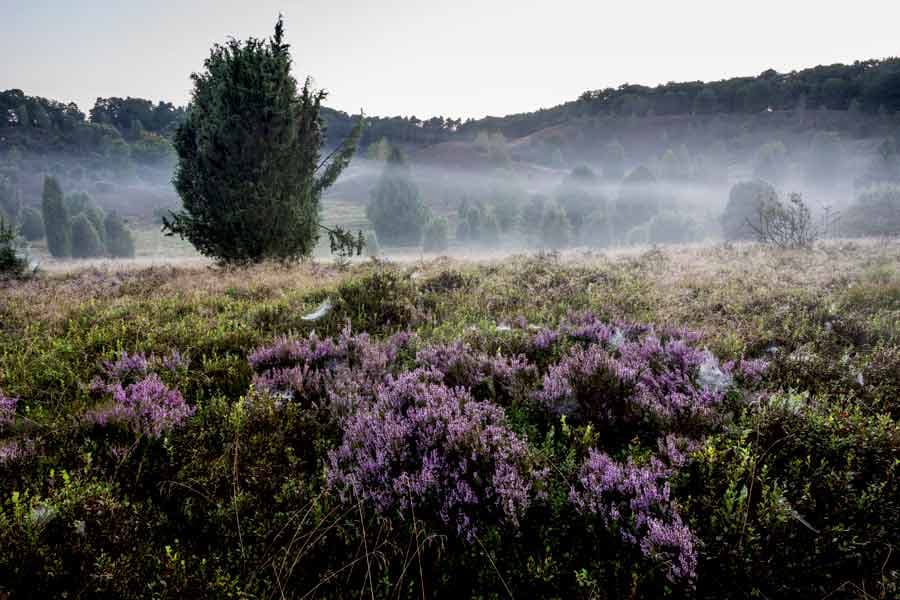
(7, 410)
(427, 449)
(635, 500)
(147, 407)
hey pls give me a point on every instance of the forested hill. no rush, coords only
(871, 87)
(139, 127)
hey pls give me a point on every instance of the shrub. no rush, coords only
(32, 227)
(372, 247)
(745, 201)
(119, 241)
(436, 235)
(555, 227)
(670, 227)
(56, 220)
(785, 224)
(13, 261)
(427, 451)
(396, 210)
(86, 242)
(876, 211)
(635, 500)
(639, 199)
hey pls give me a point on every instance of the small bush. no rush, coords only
(745, 201)
(555, 227)
(119, 241)
(876, 212)
(436, 235)
(86, 242)
(13, 264)
(32, 227)
(372, 248)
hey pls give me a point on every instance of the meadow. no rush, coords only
(713, 421)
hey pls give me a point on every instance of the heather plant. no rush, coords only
(147, 408)
(7, 410)
(424, 450)
(136, 396)
(636, 501)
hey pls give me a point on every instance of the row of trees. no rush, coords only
(76, 227)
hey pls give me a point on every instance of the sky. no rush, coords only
(453, 58)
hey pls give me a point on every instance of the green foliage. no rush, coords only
(153, 149)
(436, 235)
(578, 196)
(13, 264)
(380, 150)
(32, 226)
(745, 201)
(119, 240)
(396, 209)
(372, 248)
(556, 231)
(56, 219)
(639, 199)
(670, 227)
(86, 242)
(876, 211)
(248, 156)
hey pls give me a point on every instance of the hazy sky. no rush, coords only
(457, 58)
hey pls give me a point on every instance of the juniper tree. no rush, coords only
(56, 219)
(250, 174)
(396, 209)
(86, 242)
(119, 241)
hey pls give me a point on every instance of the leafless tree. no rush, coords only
(786, 224)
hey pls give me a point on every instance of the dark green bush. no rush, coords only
(32, 227)
(119, 241)
(86, 242)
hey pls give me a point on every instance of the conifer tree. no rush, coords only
(249, 172)
(56, 219)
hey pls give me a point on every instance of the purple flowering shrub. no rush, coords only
(7, 410)
(497, 377)
(422, 434)
(425, 450)
(635, 500)
(138, 397)
(628, 373)
(334, 374)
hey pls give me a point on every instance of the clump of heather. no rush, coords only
(130, 368)
(339, 373)
(460, 365)
(138, 397)
(148, 407)
(426, 450)
(7, 410)
(631, 372)
(635, 501)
